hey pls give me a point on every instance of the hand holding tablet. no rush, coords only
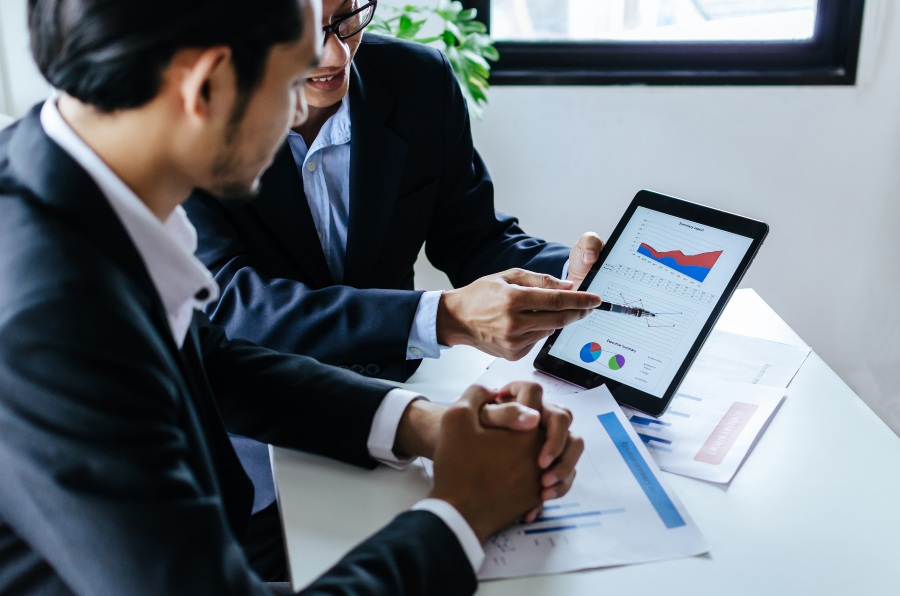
(665, 275)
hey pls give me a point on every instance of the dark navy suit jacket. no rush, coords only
(116, 473)
(415, 179)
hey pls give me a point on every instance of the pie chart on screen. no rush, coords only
(590, 352)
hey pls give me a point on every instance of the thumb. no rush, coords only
(512, 416)
(475, 398)
(583, 255)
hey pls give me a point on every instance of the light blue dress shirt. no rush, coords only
(325, 170)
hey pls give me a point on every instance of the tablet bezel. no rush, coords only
(701, 214)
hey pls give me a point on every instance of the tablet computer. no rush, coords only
(679, 263)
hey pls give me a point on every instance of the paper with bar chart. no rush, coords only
(619, 510)
(710, 426)
(672, 267)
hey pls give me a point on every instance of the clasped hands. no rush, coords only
(507, 313)
(497, 455)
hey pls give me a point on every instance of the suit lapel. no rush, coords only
(225, 462)
(283, 207)
(377, 156)
(54, 178)
(57, 181)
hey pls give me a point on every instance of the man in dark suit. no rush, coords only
(116, 394)
(384, 165)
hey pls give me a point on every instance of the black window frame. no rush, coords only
(829, 58)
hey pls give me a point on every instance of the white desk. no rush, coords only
(814, 510)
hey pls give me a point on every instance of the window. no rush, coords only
(673, 41)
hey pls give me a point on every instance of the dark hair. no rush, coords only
(111, 53)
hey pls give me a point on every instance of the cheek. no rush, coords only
(280, 116)
(354, 45)
(301, 109)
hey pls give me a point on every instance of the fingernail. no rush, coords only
(589, 256)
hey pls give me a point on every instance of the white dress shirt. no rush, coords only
(184, 284)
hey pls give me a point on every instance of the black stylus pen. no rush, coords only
(625, 310)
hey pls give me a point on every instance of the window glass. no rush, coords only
(652, 20)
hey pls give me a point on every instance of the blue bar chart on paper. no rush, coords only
(620, 510)
(709, 427)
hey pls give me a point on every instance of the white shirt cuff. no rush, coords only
(383, 433)
(459, 526)
(565, 272)
(423, 341)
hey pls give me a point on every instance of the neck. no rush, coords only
(132, 143)
(315, 120)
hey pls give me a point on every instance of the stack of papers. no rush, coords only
(620, 511)
(723, 406)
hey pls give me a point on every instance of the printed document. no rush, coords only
(710, 426)
(619, 511)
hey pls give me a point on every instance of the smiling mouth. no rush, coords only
(322, 79)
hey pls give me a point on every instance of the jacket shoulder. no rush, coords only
(398, 61)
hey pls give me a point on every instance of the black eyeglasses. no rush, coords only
(351, 23)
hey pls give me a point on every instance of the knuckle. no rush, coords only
(508, 330)
(557, 300)
(511, 299)
(561, 320)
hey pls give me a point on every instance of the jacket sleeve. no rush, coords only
(101, 481)
(288, 400)
(365, 329)
(98, 478)
(415, 554)
(468, 238)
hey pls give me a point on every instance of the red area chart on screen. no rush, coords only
(694, 266)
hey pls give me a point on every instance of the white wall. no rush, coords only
(21, 85)
(820, 165)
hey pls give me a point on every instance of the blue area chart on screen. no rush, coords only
(694, 266)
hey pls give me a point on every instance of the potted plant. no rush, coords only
(463, 39)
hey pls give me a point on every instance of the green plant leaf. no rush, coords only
(463, 39)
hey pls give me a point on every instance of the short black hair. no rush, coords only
(111, 53)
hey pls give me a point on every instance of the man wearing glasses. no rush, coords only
(115, 393)
(321, 262)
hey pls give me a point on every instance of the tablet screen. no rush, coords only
(675, 268)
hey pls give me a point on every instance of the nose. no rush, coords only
(335, 53)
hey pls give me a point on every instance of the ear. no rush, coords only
(208, 85)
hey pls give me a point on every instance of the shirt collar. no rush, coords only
(335, 131)
(167, 248)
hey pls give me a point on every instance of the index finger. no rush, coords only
(530, 299)
(556, 420)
